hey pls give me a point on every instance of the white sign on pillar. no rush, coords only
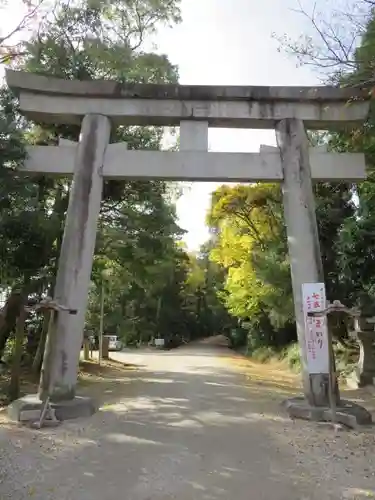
(316, 338)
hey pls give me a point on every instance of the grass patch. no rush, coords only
(346, 359)
(291, 355)
(263, 354)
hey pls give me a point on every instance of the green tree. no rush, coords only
(347, 44)
(252, 246)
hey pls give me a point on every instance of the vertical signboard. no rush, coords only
(316, 338)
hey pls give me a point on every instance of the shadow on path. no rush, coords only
(186, 425)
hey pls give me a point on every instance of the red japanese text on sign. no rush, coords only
(316, 333)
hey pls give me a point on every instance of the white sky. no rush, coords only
(226, 42)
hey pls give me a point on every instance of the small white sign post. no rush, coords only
(317, 338)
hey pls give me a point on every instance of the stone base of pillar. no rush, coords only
(347, 413)
(318, 389)
(27, 408)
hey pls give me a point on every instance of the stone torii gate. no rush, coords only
(99, 105)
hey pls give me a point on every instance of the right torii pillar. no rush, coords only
(303, 239)
(306, 267)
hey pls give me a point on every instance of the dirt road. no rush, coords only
(187, 424)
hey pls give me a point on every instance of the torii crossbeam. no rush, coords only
(121, 164)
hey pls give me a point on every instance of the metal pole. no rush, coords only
(101, 326)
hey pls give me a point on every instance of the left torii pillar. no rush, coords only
(76, 257)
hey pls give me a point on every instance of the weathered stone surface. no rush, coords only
(75, 262)
(119, 163)
(366, 364)
(19, 80)
(303, 239)
(54, 100)
(48, 108)
(31, 415)
(194, 136)
(64, 410)
(347, 412)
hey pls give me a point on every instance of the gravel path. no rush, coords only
(187, 426)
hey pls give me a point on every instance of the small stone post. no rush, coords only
(75, 263)
(303, 240)
(364, 374)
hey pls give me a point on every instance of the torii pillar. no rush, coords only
(75, 262)
(304, 248)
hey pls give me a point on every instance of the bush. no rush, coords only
(343, 356)
(263, 354)
(237, 338)
(8, 350)
(292, 355)
(346, 359)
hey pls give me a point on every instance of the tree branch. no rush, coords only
(24, 21)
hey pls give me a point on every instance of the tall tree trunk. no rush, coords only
(14, 385)
(86, 349)
(59, 209)
(9, 317)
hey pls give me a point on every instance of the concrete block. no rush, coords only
(348, 413)
(30, 415)
(28, 408)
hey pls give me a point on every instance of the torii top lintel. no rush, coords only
(48, 99)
